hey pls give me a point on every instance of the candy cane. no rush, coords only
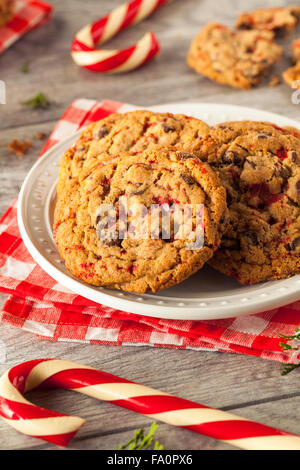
(85, 53)
(59, 428)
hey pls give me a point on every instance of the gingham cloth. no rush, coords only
(29, 14)
(39, 305)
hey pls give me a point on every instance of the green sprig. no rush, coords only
(288, 368)
(25, 67)
(140, 441)
(40, 101)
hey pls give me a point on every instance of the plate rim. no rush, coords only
(177, 312)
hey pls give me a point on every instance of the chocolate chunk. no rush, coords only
(252, 164)
(168, 240)
(280, 32)
(139, 188)
(185, 155)
(298, 188)
(295, 243)
(292, 203)
(231, 157)
(272, 221)
(188, 180)
(112, 242)
(294, 157)
(285, 172)
(167, 128)
(262, 136)
(103, 131)
(252, 236)
(245, 26)
(227, 158)
(228, 198)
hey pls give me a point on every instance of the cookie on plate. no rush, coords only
(259, 165)
(280, 20)
(96, 251)
(7, 8)
(133, 131)
(238, 59)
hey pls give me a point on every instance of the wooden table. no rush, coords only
(247, 386)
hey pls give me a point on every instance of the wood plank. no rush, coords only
(166, 79)
(248, 382)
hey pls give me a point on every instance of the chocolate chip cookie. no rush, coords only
(133, 131)
(280, 20)
(89, 226)
(259, 164)
(238, 59)
(292, 75)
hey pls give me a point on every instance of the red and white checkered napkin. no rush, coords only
(29, 14)
(39, 305)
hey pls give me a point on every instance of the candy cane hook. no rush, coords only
(85, 53)
(60, 428)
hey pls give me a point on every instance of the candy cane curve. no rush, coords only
(85, 53)
(59, 428)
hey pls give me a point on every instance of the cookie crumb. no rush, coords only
(274, 81)
(19, 147)
(40, 135)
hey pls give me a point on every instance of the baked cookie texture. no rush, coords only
(296, 50)
(154, 176)
(280, 20)
(133, 131)
(239, 59)
(7, 8)
(259, 165)
(292, 74)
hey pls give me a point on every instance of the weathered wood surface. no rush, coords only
(244, 385)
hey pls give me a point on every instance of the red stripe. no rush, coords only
(154, 49)
(131, 13)
(15, 411)
(18, 374)
(42, 6)
(160, 3)
(18, 24)
(79, 46)
(97, 29)
(9, 243)
(75, 378)
(58, 439)
(231, 429)
(156, 404)
(113, 62)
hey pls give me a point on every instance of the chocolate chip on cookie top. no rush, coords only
(259, 164)
(134, 131)
(279, 20)
(90, 229)
(238, 59)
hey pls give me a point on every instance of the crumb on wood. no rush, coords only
(19, 147)
(274, 81)
(40, 135)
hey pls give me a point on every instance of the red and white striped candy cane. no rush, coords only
(59, 428)
(85, 53)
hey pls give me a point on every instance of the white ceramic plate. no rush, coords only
(206, 295)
